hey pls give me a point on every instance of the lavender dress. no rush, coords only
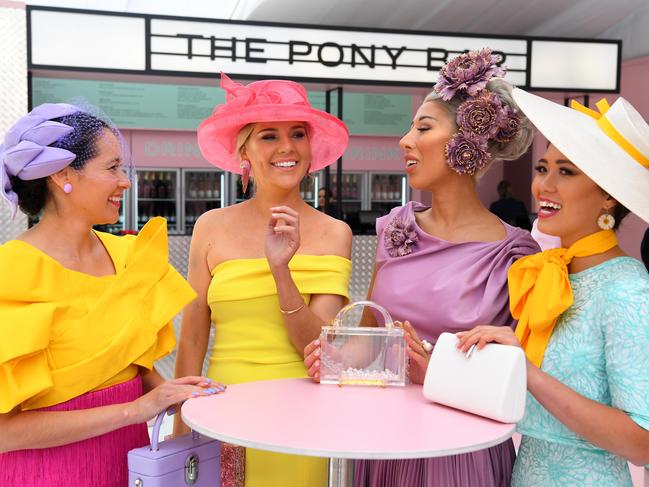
(443, 286)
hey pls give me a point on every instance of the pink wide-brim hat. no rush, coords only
(268, 101)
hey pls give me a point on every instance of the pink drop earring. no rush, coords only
(245, 174)
(67, 188)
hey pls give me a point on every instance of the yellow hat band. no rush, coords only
(611, 132)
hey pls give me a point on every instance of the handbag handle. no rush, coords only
(387, 319)
(155, 434)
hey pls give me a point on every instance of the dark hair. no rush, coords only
(619, 212)
(82, 141)
(327, 193)
(504, 189)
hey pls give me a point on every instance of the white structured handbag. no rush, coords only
(491, 382)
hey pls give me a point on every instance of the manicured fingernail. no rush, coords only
(211, 390)
(171, 411)
(317, 352)
(208, 380)
(195, 393)
(317, 342)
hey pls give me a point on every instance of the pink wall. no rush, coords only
(166, 149)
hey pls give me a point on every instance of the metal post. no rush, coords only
(339, 163)
(327, 170)
(341, 472)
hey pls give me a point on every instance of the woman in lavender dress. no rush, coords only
(444, 267)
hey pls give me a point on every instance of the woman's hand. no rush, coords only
(282, 237)
(481, 335)
(418, 357)
(312, 360)
(172, 392)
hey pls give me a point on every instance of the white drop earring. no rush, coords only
(606, 221)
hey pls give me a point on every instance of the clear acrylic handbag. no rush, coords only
(362, 355)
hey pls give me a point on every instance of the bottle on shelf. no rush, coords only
(217, 185)
(201, 186)
(169, 186)
(190, 189)
(146, 185)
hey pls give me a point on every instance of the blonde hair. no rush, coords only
(243, 136)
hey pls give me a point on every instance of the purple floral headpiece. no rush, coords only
(482, 116)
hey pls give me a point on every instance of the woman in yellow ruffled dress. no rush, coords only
(271, 271)
(83, 314)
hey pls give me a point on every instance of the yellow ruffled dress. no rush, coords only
(64, 333)
(251, 344)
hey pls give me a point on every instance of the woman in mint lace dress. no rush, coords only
(583, 310)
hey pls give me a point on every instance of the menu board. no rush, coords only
(371, 113)
(135, 105)
(184, 107)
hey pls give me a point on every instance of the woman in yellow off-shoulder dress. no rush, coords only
(83, 314)
(270, 271)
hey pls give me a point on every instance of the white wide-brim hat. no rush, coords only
(580, 138)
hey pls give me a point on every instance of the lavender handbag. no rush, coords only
(187, 460)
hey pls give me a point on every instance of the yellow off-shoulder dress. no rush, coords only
(64, 333)
(70, 340)
(251, 343)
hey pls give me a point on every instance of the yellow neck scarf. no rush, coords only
(539, 290)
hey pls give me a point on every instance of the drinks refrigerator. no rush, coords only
(387, 190)
(369, 195)
(353, 194)
(203, 190)
(158, 194)
(179, 195)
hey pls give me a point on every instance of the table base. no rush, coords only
(341, 472)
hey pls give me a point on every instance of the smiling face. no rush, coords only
(279, 153)
(98, 187)
(569, 201)
(424, 146)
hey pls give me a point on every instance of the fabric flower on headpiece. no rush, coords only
(481, 116)
(27, 153)
(399, 237)
(467, 155)
(468, 72)
(509, 127)
(237, 95)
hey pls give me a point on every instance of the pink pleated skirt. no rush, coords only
(98, 462)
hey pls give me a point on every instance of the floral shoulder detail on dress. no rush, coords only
(399, 237)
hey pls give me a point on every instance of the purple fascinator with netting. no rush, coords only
(26, 152)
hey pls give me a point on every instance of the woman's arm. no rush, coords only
(604, 426)
(303, 323)
(46, 429)
(609, 428)
(196, 321)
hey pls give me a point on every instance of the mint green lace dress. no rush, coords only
(599, 348)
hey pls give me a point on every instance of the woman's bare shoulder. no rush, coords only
(329, 235)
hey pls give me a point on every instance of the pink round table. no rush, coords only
(297, 416)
